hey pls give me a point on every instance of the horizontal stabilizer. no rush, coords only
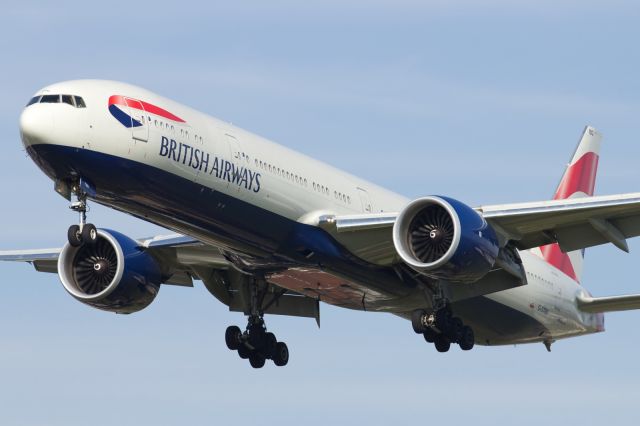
(609, 304)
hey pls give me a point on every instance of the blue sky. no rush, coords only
(483, 102)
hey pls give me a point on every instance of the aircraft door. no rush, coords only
(367, 207)
(140, 121)
(235, 157)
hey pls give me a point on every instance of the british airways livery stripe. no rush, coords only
(578, 180)
(116, 102)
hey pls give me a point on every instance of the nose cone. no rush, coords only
(36, 125)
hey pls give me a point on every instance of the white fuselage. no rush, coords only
(224, 159)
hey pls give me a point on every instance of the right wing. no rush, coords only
(574, 224)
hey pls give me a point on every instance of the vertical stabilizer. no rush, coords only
(578, 180)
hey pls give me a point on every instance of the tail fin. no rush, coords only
(578, 180)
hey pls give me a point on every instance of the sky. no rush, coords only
(481, 101)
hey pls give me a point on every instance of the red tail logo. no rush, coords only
(578, 181)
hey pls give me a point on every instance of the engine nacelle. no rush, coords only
(113, 274)
(445, 239)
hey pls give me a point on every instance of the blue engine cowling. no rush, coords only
(445, 239)
(114, 274)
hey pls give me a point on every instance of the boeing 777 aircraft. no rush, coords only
(271, 231)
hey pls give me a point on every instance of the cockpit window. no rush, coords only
(74, 101)
(50, 99)
(67, 99)
(79, 102)
(34, 100)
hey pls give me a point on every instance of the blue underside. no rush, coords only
(262, 238)
(258, 235)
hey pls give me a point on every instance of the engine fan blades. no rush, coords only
(95, 266)
(431, 234)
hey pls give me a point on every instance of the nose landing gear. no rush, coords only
(84, 233)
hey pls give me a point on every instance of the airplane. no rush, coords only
(271, 231)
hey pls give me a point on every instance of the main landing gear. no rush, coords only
(442, 329)
(84, 233)
(256, 343)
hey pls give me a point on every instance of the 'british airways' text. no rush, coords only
(202, 161)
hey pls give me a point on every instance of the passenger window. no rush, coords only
(50, 99)
(67, 99)
(79, 102)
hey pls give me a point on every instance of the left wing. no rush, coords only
(188, 259)
(46, 260)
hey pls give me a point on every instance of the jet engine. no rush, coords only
(445, 239)
(113, 274)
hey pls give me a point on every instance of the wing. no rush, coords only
(190, 259)
(575, 224)
(46, 260)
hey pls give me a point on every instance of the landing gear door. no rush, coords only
(367, 207)
(139, 120)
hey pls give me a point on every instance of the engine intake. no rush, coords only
(443, 238)
(113, 274)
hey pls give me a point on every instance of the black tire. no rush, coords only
(281, 354)
(441, 343)
(256, 336)
(243, 352)
(74, 236)
(416, 320)
(256, 360)
(270, 343)
(89, 234)
(455, 330)
(443, 320)
(430, 335)
(468, 338)
(232, 337)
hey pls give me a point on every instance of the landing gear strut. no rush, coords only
(84, 233)
(256, 343)
(442, 329)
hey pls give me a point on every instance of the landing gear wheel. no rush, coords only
(443, 319)
(430, 335)
(243, 352)
(232, 337)
(441, 343)
(89, 234)
(256, 360)
(416, 320)
(270, 344)
(468, 338)
(281, 354)
(74, 236)
(455, 330)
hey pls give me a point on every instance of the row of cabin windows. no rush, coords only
(539, 277)
(285, 174)
(342, 197)
(162, 125)
(74, 101)
(321, 188)
(301, 180)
